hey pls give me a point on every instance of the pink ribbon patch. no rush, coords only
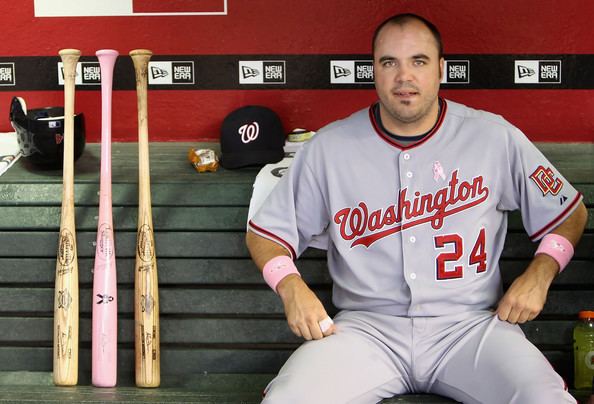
(438, 171)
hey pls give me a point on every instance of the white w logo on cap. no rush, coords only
(249, 132)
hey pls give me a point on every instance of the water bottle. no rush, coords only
(583, 346)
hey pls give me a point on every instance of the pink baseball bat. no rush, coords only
(105, 302)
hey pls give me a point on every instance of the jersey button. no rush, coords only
(413, 276)
(412, 239)
(406, 156)
(409, 174)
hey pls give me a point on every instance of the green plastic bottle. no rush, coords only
(583, 346)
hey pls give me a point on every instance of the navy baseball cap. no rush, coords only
(251, 136)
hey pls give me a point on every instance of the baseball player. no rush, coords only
(413, 194)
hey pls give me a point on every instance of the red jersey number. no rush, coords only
(447, 262)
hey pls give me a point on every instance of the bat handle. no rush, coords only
(69, 61)
(107, 59)
(141, 58)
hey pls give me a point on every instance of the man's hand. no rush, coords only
(303, 309)
(526, 296)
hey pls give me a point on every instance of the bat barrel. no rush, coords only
(104, 333)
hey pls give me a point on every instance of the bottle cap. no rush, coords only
(586, 314)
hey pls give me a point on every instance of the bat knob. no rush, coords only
(141, 52)
(69, 52)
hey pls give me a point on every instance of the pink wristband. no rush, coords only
(557, 247)
(277, 268)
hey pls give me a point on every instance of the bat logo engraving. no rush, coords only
(146, 304)
(66, 249)
(104, 341)
(143, 347)
(104, 299)
(145, 268)
(155, 344)
(106, 241)
(145, 244)
(63, 349)
(64, 299)
(64, 270)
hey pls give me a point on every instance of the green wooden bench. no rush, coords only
(223, 333)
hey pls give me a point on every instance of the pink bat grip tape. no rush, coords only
(278, 268)
(557, 247)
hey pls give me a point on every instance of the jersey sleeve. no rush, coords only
(295, 210)
(544, 197)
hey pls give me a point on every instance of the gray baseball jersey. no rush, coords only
(415, 231)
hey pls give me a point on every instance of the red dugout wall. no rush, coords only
(263, 29)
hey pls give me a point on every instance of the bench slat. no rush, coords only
(47, 218)
(165, 159)
(242, 271)
(162, 194)
(208, 245)
(175, 362)
(168, 218)
(179, 331)
(232, 302)
(127, 395)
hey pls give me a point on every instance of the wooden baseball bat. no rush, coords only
(105, 302)
(66, 290)
(146, 287)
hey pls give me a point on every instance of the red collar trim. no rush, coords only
(391, 141)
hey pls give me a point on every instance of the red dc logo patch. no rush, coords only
(546, 181)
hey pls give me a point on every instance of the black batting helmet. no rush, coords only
(40, 133)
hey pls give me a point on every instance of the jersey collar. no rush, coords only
(388, 139)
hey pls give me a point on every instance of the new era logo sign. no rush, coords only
(169, 72)
(91, 73)
(351, 71)
(340, 72)
(7, 74)
(61, 74)
(524, 71)
(456, 72)
(262, 72)
(248, 72)
(87, 73)
(537, 71)
(157, 73)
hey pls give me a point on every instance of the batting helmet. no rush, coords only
(40, 133)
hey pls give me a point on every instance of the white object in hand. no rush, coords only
(325, 324)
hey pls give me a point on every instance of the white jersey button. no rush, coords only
(409, 174)
(406, 156)
(413, 276)
(412, 239)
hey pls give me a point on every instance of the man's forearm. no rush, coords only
(263, 250)
(572, 228)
